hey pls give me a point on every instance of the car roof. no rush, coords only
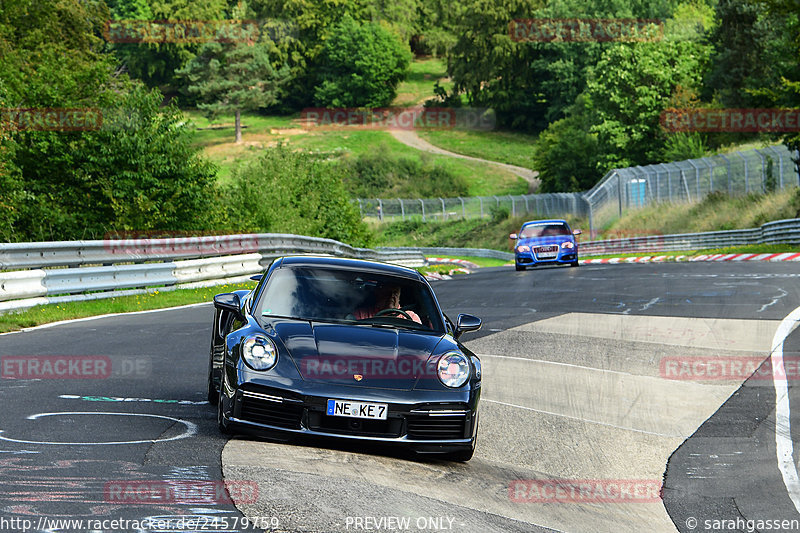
(349, 264)
(550, 221)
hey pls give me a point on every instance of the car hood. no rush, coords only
(545, 241)
(361, 356)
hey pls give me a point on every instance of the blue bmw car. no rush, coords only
(545, 242)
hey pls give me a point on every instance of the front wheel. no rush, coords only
(575, 263)
(223, 426)
(213, 393)
(519, 267)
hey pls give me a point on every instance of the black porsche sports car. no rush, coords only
(349, 349)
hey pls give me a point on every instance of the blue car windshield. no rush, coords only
(349, 296)
(544, 230)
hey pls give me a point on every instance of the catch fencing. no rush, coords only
(623, 189)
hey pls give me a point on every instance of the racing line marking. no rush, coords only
(783, 431)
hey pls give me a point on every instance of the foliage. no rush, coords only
(156, 63)
(379, 175)
(567, 152)
(292, 192)
(233, 78)
(137, 172)
(360, 66)
(630, 86)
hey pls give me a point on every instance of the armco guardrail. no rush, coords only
(458, 252)
(44, 283)
(778, 232)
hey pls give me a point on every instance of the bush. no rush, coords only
(360, 66)
(378, 175)
(566, 154)
(291, 192)
(139, 171)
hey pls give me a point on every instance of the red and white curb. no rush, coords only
(449, 260)
(789, 256)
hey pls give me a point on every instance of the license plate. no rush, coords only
(350, 409)
(545, 255)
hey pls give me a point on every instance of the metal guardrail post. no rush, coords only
(696, 180)
(685, 186)
(422, 203)
(481, 200)
(402, 209)
(444, 210)
(619, 192)
(360, 209)
(527, 209)
(463, 209)
(513, 207)
(380, 209)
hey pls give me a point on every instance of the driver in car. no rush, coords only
(387, 298)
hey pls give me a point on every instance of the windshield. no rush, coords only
(333, 295)
(544, 230)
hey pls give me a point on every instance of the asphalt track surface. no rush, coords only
(577, 388)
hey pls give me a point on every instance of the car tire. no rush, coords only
(574, 264)
(519, 268)
(213, 393)
(223, 426)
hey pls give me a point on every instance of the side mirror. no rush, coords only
(512, 236)
(257, 277)
(230, 302)
(576, 232)
(465, 323)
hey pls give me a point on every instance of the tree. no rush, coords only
(629, 88)
(291, 192)
(233, 78)
(360, 66)
(566, 153)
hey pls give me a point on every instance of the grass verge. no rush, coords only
(44, 314)
(501, 146)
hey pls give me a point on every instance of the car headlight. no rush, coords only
(453, 369)
(568, 245)
(523, 248)
(259, 352)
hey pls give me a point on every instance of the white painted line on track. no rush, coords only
(87, 318)
(559, 363)
(191, 429)
(583, 419)
(783, 430)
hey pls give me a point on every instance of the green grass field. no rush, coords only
(423, 73)
(501, 146)
(44, 314)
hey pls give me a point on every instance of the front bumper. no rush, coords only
(437, 423)
(565, 256)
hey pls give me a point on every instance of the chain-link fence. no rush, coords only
(548, 205)
(752, 171)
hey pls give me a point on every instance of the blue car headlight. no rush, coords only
(568, 245)
(259, 352)
(523, 248)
